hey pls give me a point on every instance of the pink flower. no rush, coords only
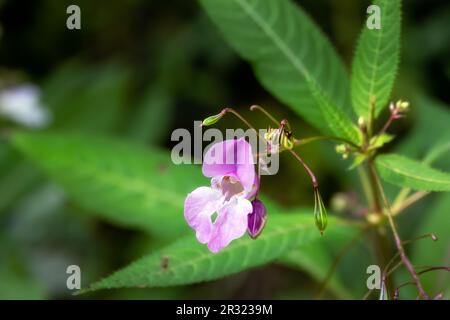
(230, 166)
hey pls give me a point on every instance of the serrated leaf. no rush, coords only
(126, 184)
(380, 140)
(376, 60)
(357, 160)
(405, 172)
(338, 122)
(286, 49)
(187, 261)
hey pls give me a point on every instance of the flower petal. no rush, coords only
(199, 206)
(219, 159)
(231, 157)
(245, 165)
(230, 224)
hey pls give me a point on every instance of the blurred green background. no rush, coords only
(140, 69)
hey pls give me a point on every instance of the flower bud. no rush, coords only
(257, 219)
(342, 149)
(362, 124)
(402, 106)
(212, 119)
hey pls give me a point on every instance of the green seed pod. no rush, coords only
(320, 213)
(212, 119)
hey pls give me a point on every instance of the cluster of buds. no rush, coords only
(343, 149)
(398, 109)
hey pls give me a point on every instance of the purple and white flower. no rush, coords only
(220, 213)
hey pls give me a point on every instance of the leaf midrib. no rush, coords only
(407, 174)
(207, 256)
(282, 46)
(378, 35)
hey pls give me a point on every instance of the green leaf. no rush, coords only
(336, 120)
(286, 50)
(430, 127)
(357, 160)
(123, 183)
(376, 60)
(405, 172)
(187, 261)
(70, 92)
(317, 258)
(151, 120)
(380, 140)
(437, 151)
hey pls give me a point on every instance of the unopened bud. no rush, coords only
(362, 124)
(402, 106)
(343, 150)
(392, 107)
(212, 119)
(257, 219)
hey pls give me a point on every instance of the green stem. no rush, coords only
(376, 197)
(366, 185)
(302, 142)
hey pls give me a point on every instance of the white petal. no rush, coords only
(199, 206)
(231, 223)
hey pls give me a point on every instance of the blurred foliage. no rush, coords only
(139, 69)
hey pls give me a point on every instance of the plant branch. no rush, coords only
(307, 169)
(398, 241)
(301, 142)
(399, 207)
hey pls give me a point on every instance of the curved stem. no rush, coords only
(302, 142)
(267, 114)
(238, 115)
(428, 269)
(398, 241)
(308, 170)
